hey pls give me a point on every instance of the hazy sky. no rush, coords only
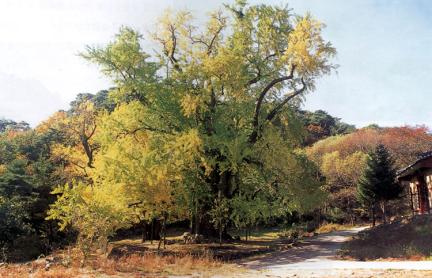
(384, 53)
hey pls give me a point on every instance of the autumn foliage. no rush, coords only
(342, 160)
(204, 129)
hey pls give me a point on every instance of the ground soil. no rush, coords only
(318, 257)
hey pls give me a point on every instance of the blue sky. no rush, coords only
(383, 52)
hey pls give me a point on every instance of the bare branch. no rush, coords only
(196, 40)
(170, 52)
(174, 44)
(210, 46)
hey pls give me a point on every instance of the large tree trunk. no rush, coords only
(220, 183)
(220, 235)
(384, 213)
(195, 221)
(152, 232)
(163, 233)
(144, 232)
(155, 230)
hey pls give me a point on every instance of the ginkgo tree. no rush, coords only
(209, 116)
(75, 148)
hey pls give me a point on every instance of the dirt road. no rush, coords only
(317, 257)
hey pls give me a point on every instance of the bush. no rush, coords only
(331, 227)
(311, 226)
(292, 234)
(13, 221)
(92, 212)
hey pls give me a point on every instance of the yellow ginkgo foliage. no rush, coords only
(205, 118)
(96, 212)
(307, 50)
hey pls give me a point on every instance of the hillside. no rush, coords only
(404, 239)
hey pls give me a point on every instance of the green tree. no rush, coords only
(320, 125)
(9, 125)
(27, 176)
(219, 215)
(14, 182)
(101, 101)
(378, 183)
(96, 212)
(342, 176)
(14, 222)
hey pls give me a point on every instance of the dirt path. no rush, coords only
(317, 257)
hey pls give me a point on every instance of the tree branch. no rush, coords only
(170, 52)
(210, 46)
(255, 122)
(290, 96)
(255, 79)
(172, 57)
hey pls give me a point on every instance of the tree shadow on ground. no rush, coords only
(409, 238)
(321, 247)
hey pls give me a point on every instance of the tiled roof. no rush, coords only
(420, 158)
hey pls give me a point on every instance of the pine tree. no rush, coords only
(378, 183)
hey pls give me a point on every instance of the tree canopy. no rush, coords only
(378, 183)
(210, 116)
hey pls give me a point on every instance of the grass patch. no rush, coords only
(128, 266)
(408, 239)
(226, 252)
(263, 234)
(332, 227)
(132, 258)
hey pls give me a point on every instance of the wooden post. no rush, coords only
(423, 195)
(411, 199)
